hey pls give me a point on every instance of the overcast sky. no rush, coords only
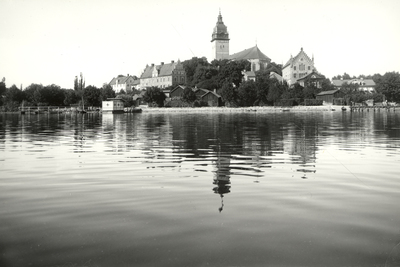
(52, 41)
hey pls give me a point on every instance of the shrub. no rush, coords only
(313, 102)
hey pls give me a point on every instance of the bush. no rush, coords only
(313, 102)
(177, 103)
(288, 102)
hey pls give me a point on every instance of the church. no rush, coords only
(220, 48)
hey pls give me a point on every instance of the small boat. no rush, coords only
(344, 109)
(285, 109)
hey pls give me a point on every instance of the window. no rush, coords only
(294, 75)
(309, 68)
(302, 67)
(294, 67)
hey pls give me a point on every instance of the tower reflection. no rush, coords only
(222, 178)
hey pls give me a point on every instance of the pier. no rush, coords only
(373, 108)
(55, 109)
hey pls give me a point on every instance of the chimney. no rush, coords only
(162, 63)
(172, 61)
(152, 64)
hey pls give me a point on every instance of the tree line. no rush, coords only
(224, 76)
(52, 95)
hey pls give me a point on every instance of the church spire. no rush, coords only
(220, 39)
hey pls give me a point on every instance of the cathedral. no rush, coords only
(220, 40)
(220, 48)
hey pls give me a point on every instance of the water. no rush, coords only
(272, 189)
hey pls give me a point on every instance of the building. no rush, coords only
(163, 75)
(314, 78)
(367, 85)
(297, 67)
(212, 99)
(220, 40)
(258, 60)
(177, 91)
(113, 105)
(274, 75)
(125, 83)
(328, 97)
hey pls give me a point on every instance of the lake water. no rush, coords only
(229, 189)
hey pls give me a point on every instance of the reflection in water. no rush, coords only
(222, 177)
(134, 189)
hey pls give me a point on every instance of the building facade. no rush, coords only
(314, 78)
(297, 67)
(125, 83)
(366, 85)
(220, 40)
(113, 105)
(163, 75)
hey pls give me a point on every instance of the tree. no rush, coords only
(275, 91)
(3, 87)
(262, 86)
(92, 96)
(229, 94)
(190, 67)
(107, 92)
(210, 84)
(326, 85)
(30, 95)
(53, 95)
(13, 97)
(204, 73)
(154, 96)
(231, 71)
(389, 85)
(128, 99)
(188, 95)
(79, 85)
(70, 97)
(247, 93)
(345, 76)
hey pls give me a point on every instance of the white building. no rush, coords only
(297, 67)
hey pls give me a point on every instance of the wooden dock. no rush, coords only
(51, 110)
(373, 108)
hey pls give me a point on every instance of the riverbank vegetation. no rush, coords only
(220, 76)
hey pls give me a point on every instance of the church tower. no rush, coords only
(220, 40)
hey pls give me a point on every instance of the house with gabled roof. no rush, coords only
(199, 92)
(163, 75)
(366, 85)
(298, 67)
(212, 99)
(314, 78)
(125, 83)
(328, 97)
(177, 91)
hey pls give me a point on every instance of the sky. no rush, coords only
(52, 41)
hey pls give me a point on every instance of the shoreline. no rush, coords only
(267, 109)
